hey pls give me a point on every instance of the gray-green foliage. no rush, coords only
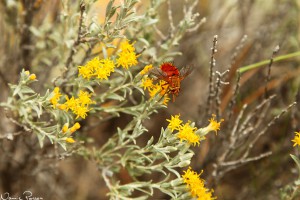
(64, 42)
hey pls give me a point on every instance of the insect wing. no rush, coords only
(185, 71)
(157, 72)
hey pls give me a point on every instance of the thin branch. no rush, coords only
(171, 19)
(212, 65)
(79, 35)
(268, 77)
(233, 99)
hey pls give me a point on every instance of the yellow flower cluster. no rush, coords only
(79, 106)
(159, 88)
(127, 56)
(296, 139)
(56, 97)
(185, 132)
(97, 68)
(196, 185)
(146, 69)
(31, 77)
(71, 130)
(74, 128)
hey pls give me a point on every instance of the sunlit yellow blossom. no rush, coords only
(81, 111)
(54, 100)
(71, 103)
(127, 57)
(97, 68)
(126, 46)
(104, 69)
(65, 128)
(85, 98)
(27, 72)
(75, 127)
(196, 185)
(186, 132)
(175, 122)
(32, 77)
(93, 64)
(61, 106)
(79, 106)
(166, 100)
(85, 71)
(154, 90)
(296, 139)
(146, 69)
(213, 126)
(147, 83)
(164, 87)
(70, 140)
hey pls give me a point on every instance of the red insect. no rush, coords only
(169, 73)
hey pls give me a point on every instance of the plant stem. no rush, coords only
(264, 62)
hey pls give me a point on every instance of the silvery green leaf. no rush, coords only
(36, 32)
(27, 90)
(41, 138)
(297, 182)
(144, 41)
(151, 21)
(16, 90)
(297, 161)
(150, 141)
(115, 97)
(62, 144)
(38, 110)
(108, 45)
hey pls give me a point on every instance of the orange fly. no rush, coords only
(169, 73)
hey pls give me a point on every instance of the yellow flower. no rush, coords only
(75, 127)
(154, 90)
(105, 68)
(174, 122)
(166, 100)
(126, 46)
(147, 83)
(127, 56)
(81, 111)
(146, 69)
(65, 128)
(296, 139)
(196, 185)
(96, 68)
(187, 133)
(27, 72)
(70, 140)
(32, 77)
(61, 106)
(164, 87)
(54, 100)
(79, 106)
(84, 98)
(85, 71)
(213, 126)
(71, 103)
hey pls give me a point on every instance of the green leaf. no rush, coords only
(115, 97)
(297, 161)
(17, 90)
(27, 90)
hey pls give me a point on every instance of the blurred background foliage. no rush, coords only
(248, 31)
